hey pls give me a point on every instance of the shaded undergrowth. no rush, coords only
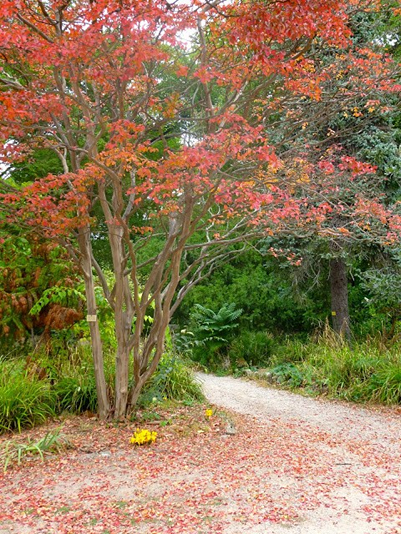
(361, 372)
(35, 389)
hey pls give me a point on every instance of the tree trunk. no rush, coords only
(123, 316)
(96, 342)
(122, 376)
(339, 297)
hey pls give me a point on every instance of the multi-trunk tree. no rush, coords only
(158, 139)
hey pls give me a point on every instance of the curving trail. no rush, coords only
(266, 462)
(363, 444)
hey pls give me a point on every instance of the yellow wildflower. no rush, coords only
(141, 437)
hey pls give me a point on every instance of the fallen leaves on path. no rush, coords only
(197, 478)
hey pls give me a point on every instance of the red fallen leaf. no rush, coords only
(186, 484)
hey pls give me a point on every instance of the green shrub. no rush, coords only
(24, 401)
(213, 332)
(173, 380)
(288, 374)
(342, 368)
(183, 342)
(255, 348)
(77, 393)
(263, 287)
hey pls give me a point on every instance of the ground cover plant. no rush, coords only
(363, 372)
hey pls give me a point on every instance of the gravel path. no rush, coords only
(266, 462)
(367, 441)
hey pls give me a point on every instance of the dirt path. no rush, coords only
(380, 427)
(266, 462)
(366, 441)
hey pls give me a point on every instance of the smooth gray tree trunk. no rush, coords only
(96, 342)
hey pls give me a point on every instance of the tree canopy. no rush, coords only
(165, 141)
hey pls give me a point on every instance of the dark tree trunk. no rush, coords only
(339, 297)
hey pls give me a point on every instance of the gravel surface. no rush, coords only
(372, 432)
(266, 462)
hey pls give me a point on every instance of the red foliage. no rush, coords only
(151, 137)
(85, 78)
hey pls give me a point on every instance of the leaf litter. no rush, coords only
(272, 474)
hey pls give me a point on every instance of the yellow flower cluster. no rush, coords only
(142, 437)
(208, 413)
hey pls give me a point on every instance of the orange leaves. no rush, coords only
(371, 209)
(355, 167)
(204, 74)
(56, 204)
(172, 104)
(182, 71)
(112, 95)
(326, 166)
(290, 20)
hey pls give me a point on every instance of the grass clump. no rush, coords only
(77, 393)
(385, 384)
(14, 452)
(24, 401)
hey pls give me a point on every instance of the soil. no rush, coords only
(266, 462)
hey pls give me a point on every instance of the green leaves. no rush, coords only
(24, 402)
(58, 295)
(14, 452)
(34, 273)
(213, 330)
(77, 393)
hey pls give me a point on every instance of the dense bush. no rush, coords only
(173, 380)
(262, 287)
(213, 332)
(252, 348)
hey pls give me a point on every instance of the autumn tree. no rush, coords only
(35, 270)
(340, 152)
(158, 140)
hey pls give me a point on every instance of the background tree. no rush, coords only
(343, 147)
(33, 269)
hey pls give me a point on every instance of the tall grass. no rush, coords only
(69, 385)
(24, 401)
(77, 393)
(73, 379)
(363, 372)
